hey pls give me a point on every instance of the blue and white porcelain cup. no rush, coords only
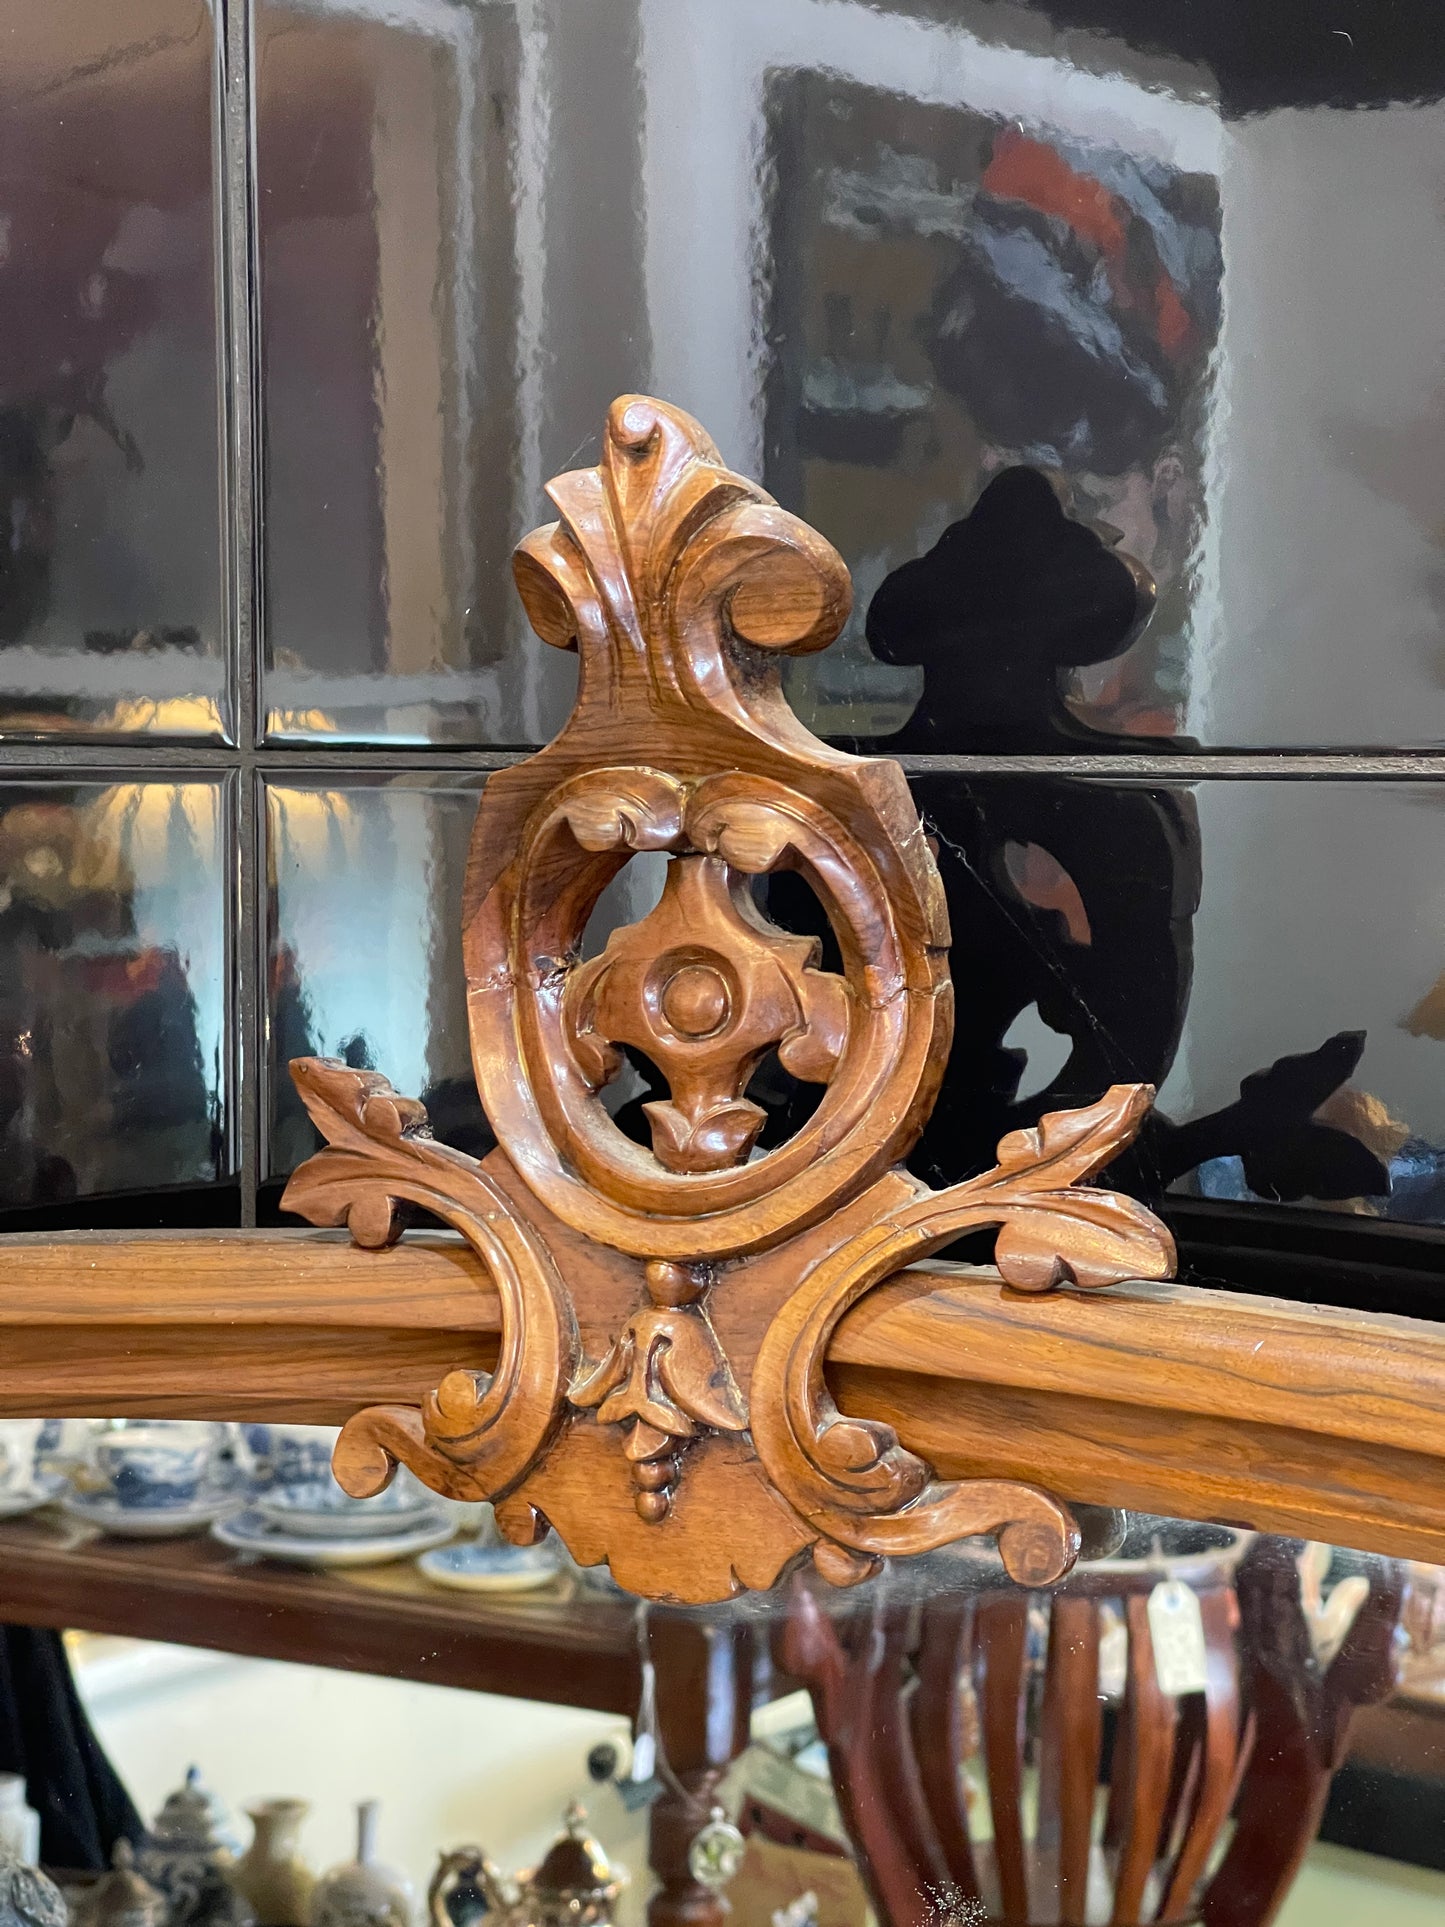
(155, 1467)
(292, 1454)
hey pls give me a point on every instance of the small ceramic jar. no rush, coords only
(19, 1438)
(123, 1897)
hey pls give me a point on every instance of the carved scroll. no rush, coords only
(660, 1397)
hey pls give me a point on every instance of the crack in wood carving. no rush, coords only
(659, 1397)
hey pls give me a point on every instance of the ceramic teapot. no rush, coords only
(187, 1856)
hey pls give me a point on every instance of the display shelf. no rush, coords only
(564, 1644)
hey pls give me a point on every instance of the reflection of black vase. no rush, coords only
(1006, 600)
(1071, 899)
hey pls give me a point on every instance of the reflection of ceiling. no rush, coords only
(98, 37)
(1264, 53)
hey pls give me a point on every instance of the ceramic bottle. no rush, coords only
(19, 1823)
(362, 1893)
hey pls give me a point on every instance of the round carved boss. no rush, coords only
(704, 985)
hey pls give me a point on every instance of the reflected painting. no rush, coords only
(955, 293)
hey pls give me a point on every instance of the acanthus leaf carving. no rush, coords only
(850, 1477)
(667, 1378)
(479, 1432)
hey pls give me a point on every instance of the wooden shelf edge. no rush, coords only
(569, 1651)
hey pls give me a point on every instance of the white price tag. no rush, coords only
(1113, 1652)
(644, 1757)
(1176, 1628)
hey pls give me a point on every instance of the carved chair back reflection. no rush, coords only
(1021, 1759)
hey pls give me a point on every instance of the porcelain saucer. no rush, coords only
(103, 1509)
(251, 1531)
(41, 1490)
(321, 1510)
(470, 1567)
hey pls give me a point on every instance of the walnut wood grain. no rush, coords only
(286, 1325)
(1197, 1404)
(1344, 1374)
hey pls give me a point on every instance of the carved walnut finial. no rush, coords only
(681, 583)
(663, 557)
(659, 1394)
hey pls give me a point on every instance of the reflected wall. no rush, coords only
(115, 1003)
(370, 975)
(111, 454)
(882, 252)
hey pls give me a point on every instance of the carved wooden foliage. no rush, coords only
(666, 1309)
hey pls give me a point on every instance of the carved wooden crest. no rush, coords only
(659, 1395)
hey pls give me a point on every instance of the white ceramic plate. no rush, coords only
(311, 1512)
(249, 1531)
(103, 1509)
(474, 1568)
(44, 1487)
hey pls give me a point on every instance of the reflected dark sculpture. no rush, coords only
(1071, 895)
(1008, 597)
